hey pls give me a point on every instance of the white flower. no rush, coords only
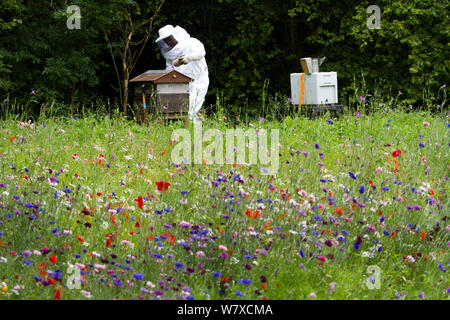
(3, 260)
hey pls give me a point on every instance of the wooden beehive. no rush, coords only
(166, 94)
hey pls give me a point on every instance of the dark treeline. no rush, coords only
(248, 43)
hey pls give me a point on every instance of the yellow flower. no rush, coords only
(5, 288)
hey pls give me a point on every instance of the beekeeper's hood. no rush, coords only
(178, 33)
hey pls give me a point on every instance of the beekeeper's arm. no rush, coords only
(169, 65)
(197, 52)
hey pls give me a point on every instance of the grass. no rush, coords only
(72, 214)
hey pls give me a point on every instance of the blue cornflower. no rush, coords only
(316, 146)
(362, 189)
(77, 255)
(301, 253)
(386, 233)
(345, 232)
(245, 281)
(356, 245)
(238, 293)
(352, 175)
(138, 276)
(179, 265)
(216, 274)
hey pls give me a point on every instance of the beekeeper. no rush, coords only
(186, 55)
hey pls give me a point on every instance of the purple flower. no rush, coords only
(223, 255)
(184, 224)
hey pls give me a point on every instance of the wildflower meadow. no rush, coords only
(95, 208)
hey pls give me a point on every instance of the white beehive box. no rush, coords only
(318, 88)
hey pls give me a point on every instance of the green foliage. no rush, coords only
(252, 47)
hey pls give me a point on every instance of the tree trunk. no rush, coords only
(125, 91)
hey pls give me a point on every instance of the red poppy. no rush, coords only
(423, 235)
(396, 153)
(251, 214)
(58, 295)
(53, 259)
(108, 242)
(162, 185)
(140, 202)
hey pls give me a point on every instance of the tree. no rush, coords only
(132, 24)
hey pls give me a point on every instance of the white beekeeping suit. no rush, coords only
(186, 55)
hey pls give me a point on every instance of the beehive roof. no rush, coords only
(161, 76)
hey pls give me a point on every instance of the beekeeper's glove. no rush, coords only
(185, 59)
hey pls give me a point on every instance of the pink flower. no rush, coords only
(379, 170)
(332, 287)
(322, 258)
(200, 254)
(312, 295)
(426, 124)
(223, 248)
